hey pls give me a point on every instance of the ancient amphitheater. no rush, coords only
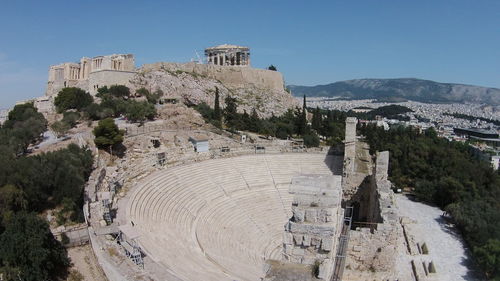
(252, 216)
(220, 219)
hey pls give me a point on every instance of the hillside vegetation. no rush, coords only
(402, 89)
(446, 174)
(30, 185)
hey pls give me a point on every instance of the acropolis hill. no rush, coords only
(227, 67)
(181, 197)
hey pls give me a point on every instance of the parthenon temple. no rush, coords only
(231, 55)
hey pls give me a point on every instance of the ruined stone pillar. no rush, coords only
(309, 235)
(350, 129)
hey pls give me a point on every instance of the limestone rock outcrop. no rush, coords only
(195, 83)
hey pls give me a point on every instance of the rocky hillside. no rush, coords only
(401, 90)
(253, 88)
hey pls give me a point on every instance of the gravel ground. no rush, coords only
(446, 247)
(85, 262)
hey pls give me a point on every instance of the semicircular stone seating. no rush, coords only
(219, 219)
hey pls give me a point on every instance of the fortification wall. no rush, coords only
(108, 78)
(231, 76)
(95, 80)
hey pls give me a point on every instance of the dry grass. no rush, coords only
(75, 275)
(113, 252)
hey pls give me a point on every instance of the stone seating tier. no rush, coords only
(219, 219)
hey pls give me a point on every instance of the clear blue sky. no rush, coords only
(311, 42)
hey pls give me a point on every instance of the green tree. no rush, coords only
(206, 112)
(317, 120)
(255, 123)
(119, 91)
(71, 118)
(488, 256)
(102, 91)
(24, 126)
(12, 200)
(152, 98)
(449, 175)
(139, 111)
(272, 67)
(142, 92)
(311, 140)
(301, 121)
(107, 134)
(72, 98)
(60, 128)
(267, 128)
(231, 113)
(217, 115)
(28, 247)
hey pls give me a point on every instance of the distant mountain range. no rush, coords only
(402, 89)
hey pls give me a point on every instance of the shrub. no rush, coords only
(72, 98)
(60, 128)
(119, 91)
(64, 239)
(71, 118)
(139, 111)
(311, 140)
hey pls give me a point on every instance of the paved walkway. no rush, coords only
(446, 247)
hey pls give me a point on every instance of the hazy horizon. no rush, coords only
(311, 44)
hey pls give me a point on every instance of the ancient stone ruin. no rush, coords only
(309, 235)
(228, 55)
(91, 73)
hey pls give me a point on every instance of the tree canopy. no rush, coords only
(29, 251)
(116, 101)
(107, 134)
(72, 98)
(23, 127)
(449, 175)
(327, 125)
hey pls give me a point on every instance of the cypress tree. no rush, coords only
(317, 119)
(217, 112)
(231, 113)
(254, 121)
(302, 128)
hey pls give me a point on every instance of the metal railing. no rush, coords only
(338, 269)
